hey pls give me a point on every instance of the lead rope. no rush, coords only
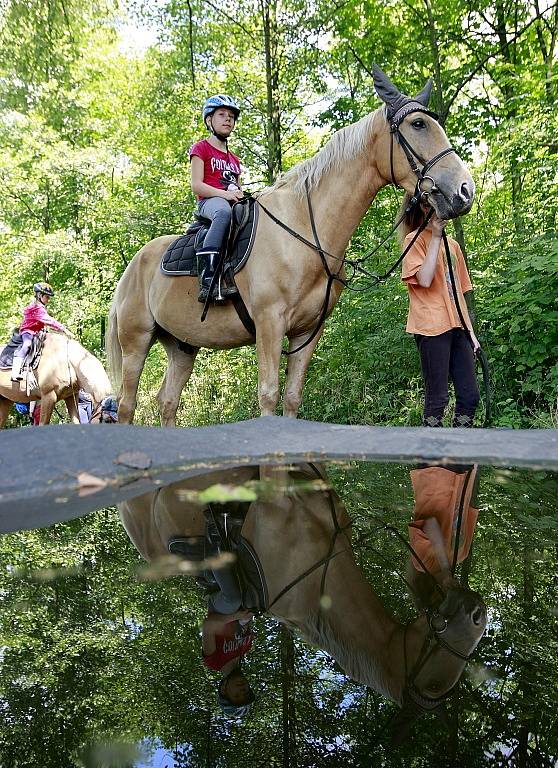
(481, 356)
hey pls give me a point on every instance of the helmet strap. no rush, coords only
(40, 297)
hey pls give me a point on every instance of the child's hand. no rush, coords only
(233, 195)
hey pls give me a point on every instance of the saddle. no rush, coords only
(223, 533)
(180, 257)
(33, 357)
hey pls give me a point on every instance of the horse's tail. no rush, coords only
(112, 346)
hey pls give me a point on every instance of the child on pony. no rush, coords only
(35, 318)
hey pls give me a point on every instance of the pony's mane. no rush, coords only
(91, 375)
(344, 145)
(358, 665)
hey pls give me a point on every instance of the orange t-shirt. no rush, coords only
(439, 493)
(432, 310)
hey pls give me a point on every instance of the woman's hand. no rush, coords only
(438, 225)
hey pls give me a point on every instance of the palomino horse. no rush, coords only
(284, 282)
(65, 368)
(301, 536)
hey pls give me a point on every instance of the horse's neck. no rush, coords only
(90, 374)
(356, 630)
(347, 620)
(342, 197)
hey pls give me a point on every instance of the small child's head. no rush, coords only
(43, 292)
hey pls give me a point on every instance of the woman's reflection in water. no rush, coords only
(440, 535)
(299, 533)
(444, 519)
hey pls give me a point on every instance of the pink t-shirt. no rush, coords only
(220, 169)
(35, 317)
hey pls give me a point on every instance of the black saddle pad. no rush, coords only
(7, 354)
(180, 256)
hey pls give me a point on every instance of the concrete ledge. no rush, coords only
(63, 471)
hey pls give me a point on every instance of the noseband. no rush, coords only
(395, 119)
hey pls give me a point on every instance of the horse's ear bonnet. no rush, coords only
(387, 91)
(392, 96)
(424, 96)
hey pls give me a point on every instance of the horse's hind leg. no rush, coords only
(296, 372)
(135, 347)
(179, 370)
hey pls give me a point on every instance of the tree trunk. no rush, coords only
(273, 128)
(288, 702)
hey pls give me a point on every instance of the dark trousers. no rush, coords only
(444, 357)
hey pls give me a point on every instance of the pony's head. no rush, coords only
(417, 154)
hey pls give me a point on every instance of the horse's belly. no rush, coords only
(175, 306)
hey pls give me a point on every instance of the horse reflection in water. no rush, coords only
(302, 537)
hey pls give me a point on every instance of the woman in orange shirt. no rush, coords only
(444, 345)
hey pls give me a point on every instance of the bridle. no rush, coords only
(395, 117)
(437, 625)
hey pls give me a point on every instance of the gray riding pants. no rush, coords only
(219, 211)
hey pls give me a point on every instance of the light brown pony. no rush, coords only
(65, 368)
(333, 607)
(283, 283)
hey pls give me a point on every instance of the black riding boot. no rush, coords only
(210, 259)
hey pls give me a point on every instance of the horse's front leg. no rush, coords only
(269, 340)
(296, 371)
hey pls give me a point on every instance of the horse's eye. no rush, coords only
(418, 123)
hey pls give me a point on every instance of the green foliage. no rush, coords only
(94, 164)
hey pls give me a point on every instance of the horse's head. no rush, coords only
(436, 647)
(418, 155)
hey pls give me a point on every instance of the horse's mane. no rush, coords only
(344, 145)
(90, 373)
(357, 664)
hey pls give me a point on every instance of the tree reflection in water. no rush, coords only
(92, 655)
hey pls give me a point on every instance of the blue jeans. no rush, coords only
(220, 212)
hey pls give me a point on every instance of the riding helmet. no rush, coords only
(220, 100)
(43, 288)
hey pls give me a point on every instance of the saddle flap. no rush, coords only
(180, 256)
(225, 530)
